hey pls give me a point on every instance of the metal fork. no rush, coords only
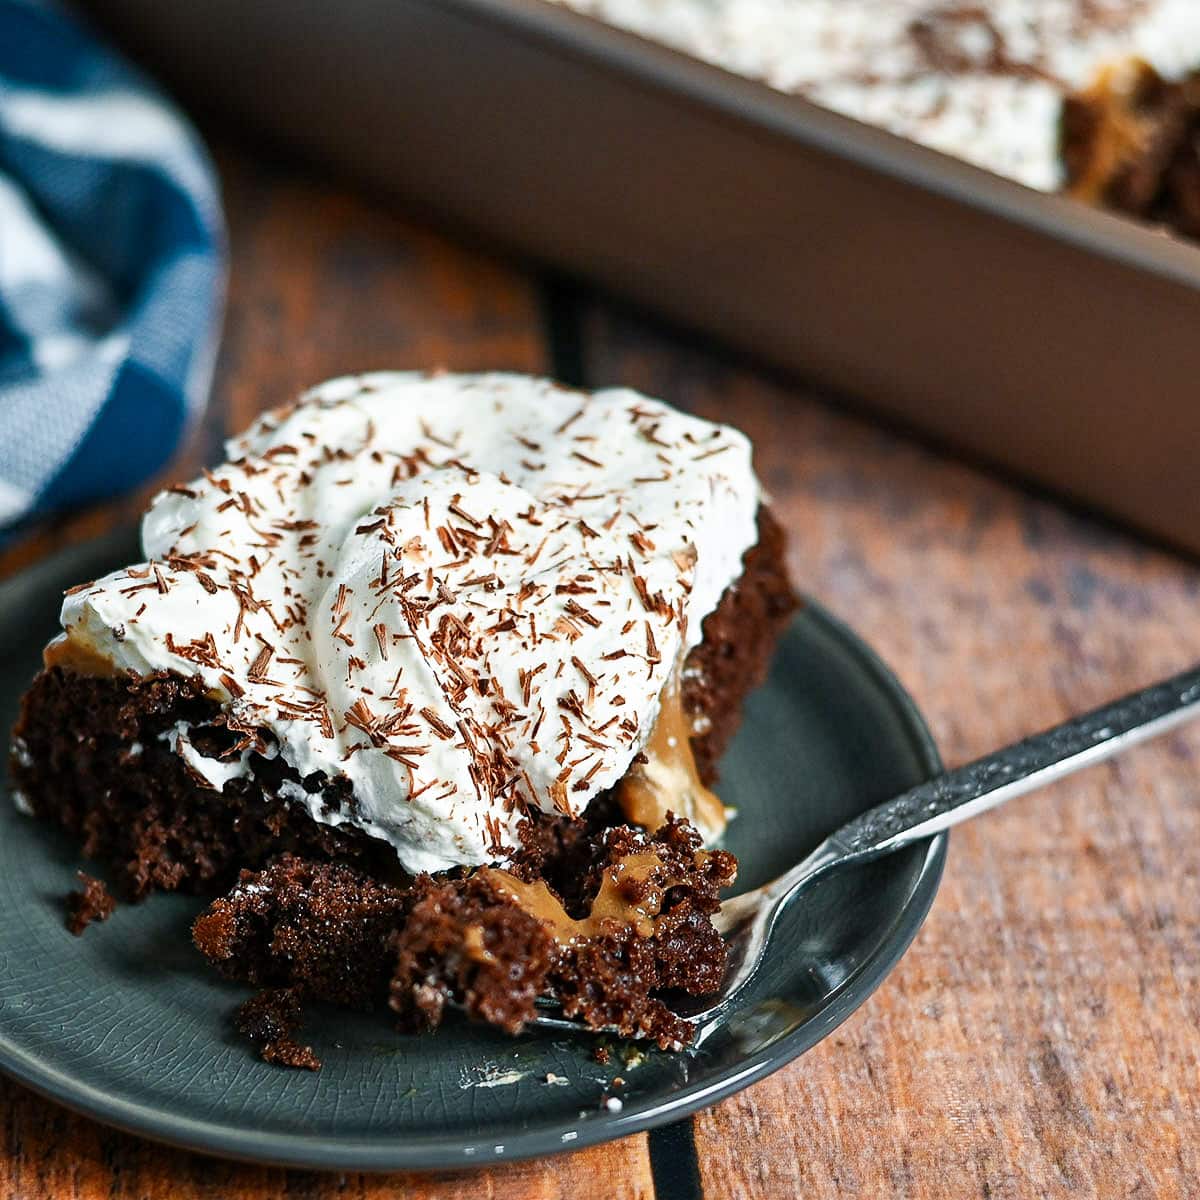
(746, 921)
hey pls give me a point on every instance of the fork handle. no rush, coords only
(967, 791)
(747, 920)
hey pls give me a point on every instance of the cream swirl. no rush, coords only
(464, 594)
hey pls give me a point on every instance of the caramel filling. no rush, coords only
(76, 656)
(474, 946)
(668, 781)
(631, 894)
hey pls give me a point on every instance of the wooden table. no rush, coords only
(1041, 1036)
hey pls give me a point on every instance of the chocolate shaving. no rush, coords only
(577, 610)
(258, 668)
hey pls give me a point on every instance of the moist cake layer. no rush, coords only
(462, 595)
(491, 942)
(984, 81)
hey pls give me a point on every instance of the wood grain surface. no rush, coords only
(1041, 1037)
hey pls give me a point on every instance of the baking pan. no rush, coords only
(1027, 329)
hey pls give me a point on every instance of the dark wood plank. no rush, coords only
(326, 284)
(1040, 1038)
(322, 284)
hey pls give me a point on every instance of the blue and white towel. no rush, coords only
(111, 268)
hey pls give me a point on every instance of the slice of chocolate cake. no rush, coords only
(432, 636)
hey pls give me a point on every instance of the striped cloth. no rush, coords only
(111, 268)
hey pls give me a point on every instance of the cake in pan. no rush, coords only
(1099, 98)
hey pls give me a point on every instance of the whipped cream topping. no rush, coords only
(465, 594)
(983, 81)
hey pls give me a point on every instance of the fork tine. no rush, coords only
(546, 1019)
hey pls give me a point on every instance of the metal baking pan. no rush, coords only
(1027, 329)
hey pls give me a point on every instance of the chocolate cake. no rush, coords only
(1131, 142)
(92, 902)
(434, 673)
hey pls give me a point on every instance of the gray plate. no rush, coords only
(128, 1026)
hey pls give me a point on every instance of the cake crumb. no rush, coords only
(601, 1055)
(93, 902)
(614, 1104)
(269, 1019)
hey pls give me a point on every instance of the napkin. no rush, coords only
(111, 268)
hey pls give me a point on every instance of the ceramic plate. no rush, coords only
(127, 1024)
